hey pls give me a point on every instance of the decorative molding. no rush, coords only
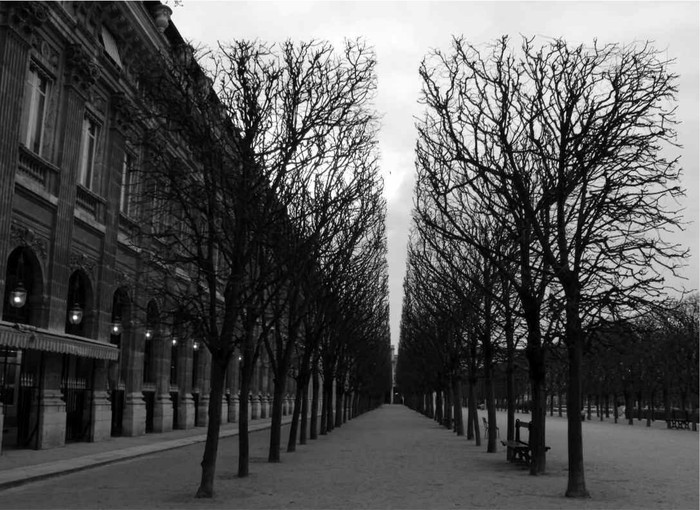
(121, 279)
(81, 69)
(24, 17)
(122, 112)
(82, 261)
(48, 53)
(27, 237)
(88, 14)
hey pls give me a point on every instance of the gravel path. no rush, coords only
(394, 458)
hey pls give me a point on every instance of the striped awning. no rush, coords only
(29, 337)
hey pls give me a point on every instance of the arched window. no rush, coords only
(23, 287)
(121, 319)
(79, 304)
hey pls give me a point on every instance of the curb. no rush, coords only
(23, 475)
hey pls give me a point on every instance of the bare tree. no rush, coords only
(570, 139)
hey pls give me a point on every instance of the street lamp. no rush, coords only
(75, 315)
(18, 297)
(116, 326)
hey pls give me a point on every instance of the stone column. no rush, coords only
(101, 408)
(163, 408)
(81, 74)
(133, 343)
(185, 407)
(264, 395)
(254, 413)
(204, 377)
(52, 409)
(234, 374)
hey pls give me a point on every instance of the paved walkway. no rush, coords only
(392, 458)
(19, 466)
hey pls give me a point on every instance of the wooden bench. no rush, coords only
(486, 429)
(521, 450)
(678, 423)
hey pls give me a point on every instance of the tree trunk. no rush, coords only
(304, 412)
(588, 402)
(473, 415)
(491, 445)
(315, 395)
(438, 407)
(629, 408)
(218, 376)
(294, 426)
(448, 407)
(339, 404)
(276, 422)
(510, 397)
(538, 408)
(577, 483)
(243, 445)
(324, 412)
(327, 410)
(457, 399)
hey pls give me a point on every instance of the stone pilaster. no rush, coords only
(80, 76)
(18, 20)
(163, 407)
(232, 385)
(185, 409)
(133, 342)
(134, 420)
(234, 408)
(51, 432)
(254, 402)
(100, 409)
(204, 378)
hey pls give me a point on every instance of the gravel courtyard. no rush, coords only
(394, 458)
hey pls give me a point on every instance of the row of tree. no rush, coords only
(542, 195)
(266, 228)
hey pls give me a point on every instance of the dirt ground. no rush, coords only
(395, 458)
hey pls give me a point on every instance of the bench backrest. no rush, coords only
(523, 424)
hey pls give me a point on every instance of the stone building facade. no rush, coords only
(84, 354)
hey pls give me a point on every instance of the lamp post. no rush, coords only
(75, 315)
(116, 326)
(18, 296)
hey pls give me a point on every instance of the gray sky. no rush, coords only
(403, 32)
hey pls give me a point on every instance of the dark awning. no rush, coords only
(20, 336)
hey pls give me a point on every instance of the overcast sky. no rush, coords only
(403, 32)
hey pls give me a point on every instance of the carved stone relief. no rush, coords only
(24, 17)
(27, 237)
(81, 69)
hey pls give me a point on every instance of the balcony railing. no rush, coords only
(37, 170)
(90, 202)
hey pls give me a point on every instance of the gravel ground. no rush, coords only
(394, 458)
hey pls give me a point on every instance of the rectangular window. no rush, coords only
(110, 46)
(37, 89)
(126, 198)
(88, 144)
